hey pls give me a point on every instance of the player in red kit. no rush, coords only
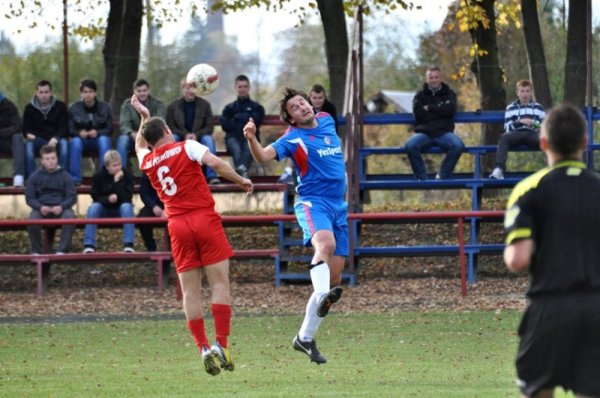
(198, 240)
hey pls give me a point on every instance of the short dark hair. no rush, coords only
(140, 82)
(434, 68)
(565, 129)
(288, 94)
(242, 78)
(48, 148)
(317, 88)
(154, 129)
(43, 83)
(88, 83)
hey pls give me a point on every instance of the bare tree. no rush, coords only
(575, 68)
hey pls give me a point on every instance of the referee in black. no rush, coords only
(553, 230)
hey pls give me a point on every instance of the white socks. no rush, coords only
(319, 275)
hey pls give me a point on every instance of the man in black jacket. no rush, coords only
(50, 193)
(45, 121)
(11, 138)
(434, 108)
(112, 191)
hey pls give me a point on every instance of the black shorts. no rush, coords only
(560, 344)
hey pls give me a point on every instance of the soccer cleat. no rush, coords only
(497, 174)
(223, 356)
(211, 364)
(332, 297)
(310, 349)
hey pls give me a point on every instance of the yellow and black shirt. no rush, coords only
(559, 208)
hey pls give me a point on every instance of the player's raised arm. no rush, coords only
(140, 141)
(259, 153)
(226, 171)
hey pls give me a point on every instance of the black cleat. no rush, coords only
(310, 349)
(332, 297)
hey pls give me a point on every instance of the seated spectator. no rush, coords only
(153, 207)
(434, 108)
(129, 120)
(11, 138)
(190, 118)
(50, 193)
(112, 191)
(522, 121)
(90, 124)
(318, 99)
(45, 121)
(233, 119)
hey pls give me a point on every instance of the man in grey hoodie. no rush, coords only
(50, 193)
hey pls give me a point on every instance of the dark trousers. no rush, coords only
(512, 139)
(66, 233)
(15, 146)
(146, 230)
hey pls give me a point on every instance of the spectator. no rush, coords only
(153, 207)
(318, 99)
(112, 191)
(190, 118)
(129, 120)
(50, 193)
(233, 119)
(522, 121)
(90, 125)
(45, 122)
(11, 138)
(434, 108)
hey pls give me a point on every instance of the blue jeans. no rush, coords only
(98, 210)
(449, 142)
(209, 142)
(78, 146)
(32, 149)
(125, 146)
(239, 151)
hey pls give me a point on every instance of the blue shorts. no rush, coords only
(317, 214)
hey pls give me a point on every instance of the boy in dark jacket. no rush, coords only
(112, 191)
(434, 108)
(50, 193)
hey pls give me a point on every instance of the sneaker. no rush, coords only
(128, 248)
(89, 249)
(214, 181)
(497, 174)
(18, 181)
(438, 177)
(332, 297)
(210, 362)
(60, 253)
(223, 356)
(285, 178)
(310, 349)
(243, 171)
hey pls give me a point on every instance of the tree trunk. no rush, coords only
(128, 58)
(336, 47)
(114, 27)
(575, 68)
(535, 52)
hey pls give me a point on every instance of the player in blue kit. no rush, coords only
(312, 143)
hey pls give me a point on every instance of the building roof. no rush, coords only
(401, 101)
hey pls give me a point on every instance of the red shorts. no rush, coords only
(198, 240)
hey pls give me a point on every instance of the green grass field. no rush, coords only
(432, 354)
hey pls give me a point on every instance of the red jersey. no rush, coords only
(175, 171)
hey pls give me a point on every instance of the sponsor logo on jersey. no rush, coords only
(169, 153)
(329, 151)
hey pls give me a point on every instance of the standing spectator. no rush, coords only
(129, 120)
(112, 191)
(45, 122)
(312, 142)
(318, 99)
(153, 207)
(90, 124)
(11, 138)
(190, 118)
(434, 108)
(233, 119)
(198, 241)
(50, 193)
(522, 121)
(552, 223)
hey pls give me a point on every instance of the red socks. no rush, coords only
(222, 316)
(196, 327)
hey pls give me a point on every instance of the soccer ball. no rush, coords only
(203, 78)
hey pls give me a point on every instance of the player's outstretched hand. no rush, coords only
(247, 185)
(250, 129)
(141, 108)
